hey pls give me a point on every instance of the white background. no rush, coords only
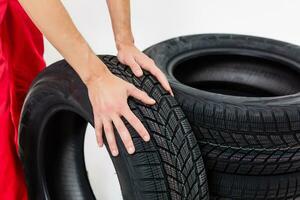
(157, 20)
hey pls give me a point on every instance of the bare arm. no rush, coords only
(127, 52)
(120, 16)
(54, 22)
(108, 93)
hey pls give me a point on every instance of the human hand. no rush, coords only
(129, 55)
(108, 95)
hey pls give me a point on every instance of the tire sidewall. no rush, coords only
(48, 97)
(168, 53)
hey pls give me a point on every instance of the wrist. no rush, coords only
(96, 77)
(95, 69)
(124, 41)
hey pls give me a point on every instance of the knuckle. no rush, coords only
(131, 88)
(98, 132)
(141, 131)
(131, 118)
(140, 128)
(143, 93)
(123, 106)
(99, 137)
(112, 144)
(151, 62)
(96, 123)
(165, 80)
(147, 96)
(159, 74)
(121, 129)
(96, 111)
(140, 90)
(124, 132)
(121, 59)
(154, 72)
(127, 140)
(134, 121)
(118, 108)
(135, 66)
(109, 108)
(107, 130)
(101, 108)
(98, 118)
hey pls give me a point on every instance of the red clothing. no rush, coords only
(21, 59)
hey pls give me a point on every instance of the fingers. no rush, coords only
(149, 65)
(122, 130)
(140, 95)
(162, 79)
(110, 137)
(124, 134)
(135, 67)
(136, 124)
(98, 130)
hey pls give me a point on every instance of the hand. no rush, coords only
(108, 95)
(129, 55)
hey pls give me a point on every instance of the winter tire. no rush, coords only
(52, 128)
(241, 95)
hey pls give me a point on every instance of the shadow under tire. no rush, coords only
(51, 138)
(241, 95)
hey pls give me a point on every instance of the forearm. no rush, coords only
(55, 23)
(120, 16)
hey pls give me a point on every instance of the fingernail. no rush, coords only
(131, 150)
(171, 92)
(139, 73)
(153, 101)
(100, 145)
(114, 152)
(146, 138)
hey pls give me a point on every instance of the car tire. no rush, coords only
(51, 139)
(241, 95)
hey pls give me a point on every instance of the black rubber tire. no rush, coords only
(241, 96)
(51, 138)
(228, 186)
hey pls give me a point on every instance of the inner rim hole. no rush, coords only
(238, 75)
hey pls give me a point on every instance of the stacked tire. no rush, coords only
(52, 129)
(241, 95)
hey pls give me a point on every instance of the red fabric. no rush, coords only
(21, 59)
